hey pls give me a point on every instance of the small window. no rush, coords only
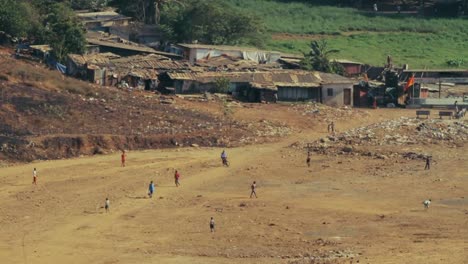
(330, 91)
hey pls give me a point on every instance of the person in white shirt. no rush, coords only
(107, 205)
(34, 176)
(212, 224)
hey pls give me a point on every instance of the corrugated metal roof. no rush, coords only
(344, 61)
(268, 86)
(43, 48)
(151, 61)
(121, 45)
(329, 78)
(101, 16)
(284, 78)
(98, 59)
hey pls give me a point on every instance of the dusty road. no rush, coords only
(340, 210)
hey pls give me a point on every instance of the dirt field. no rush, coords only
(343, 209)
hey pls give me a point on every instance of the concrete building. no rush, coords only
(195, 52)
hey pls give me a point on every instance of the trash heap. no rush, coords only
(400, 132)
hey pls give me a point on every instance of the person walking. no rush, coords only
(308, 159)
(376, 9)
(34, 176)
(176, 178)
(426, 203)
(331, 127)
(151, 189)
(107, 205)
(123, 157)
(253, 187)
(224, 158)
(212, 225)
(428, 163)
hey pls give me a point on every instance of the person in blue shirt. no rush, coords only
(224, 158)
(151, 189)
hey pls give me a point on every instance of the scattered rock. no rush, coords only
(348, 149)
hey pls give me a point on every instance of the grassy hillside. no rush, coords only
(418, 41)
(417, 50)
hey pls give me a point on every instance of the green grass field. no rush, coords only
(369, 38)
(417, 50)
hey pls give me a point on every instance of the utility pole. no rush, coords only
(440, 86)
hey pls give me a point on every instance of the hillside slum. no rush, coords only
(121, 54)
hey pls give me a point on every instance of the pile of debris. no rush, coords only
(327, 113)
(270, 129)
(400, 132)
(332, 256)
(404, 131)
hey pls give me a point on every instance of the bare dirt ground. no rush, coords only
(343, 209)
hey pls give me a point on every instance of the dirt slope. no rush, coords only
(44, 115)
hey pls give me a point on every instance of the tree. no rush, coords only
(88, 4)
(318, 58)
(146, 11)
(211, 22)
(14, 19)
(63, 31)
(221, 85)
(158, 5)
(206, 21)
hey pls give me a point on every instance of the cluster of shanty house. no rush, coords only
(253, 75)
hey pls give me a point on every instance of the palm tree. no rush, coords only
(318, 58)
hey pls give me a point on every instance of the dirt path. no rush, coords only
(338, 205)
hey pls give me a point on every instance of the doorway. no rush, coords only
(347, 96)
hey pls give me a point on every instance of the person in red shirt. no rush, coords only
(122, 158)
(176, 178)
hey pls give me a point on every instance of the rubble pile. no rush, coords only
(327, 113)
(270, 129)
(400, 132)
(332, 256)
(404, 131)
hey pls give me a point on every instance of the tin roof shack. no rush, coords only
(140, 71)
(102, 21)
(144, 70)
(200, 82)
(228, 63)
(351, 68)
(122, 47)
(41, 52)
(336, 90)
(77, 65)
(281, 85)
(195, 52)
